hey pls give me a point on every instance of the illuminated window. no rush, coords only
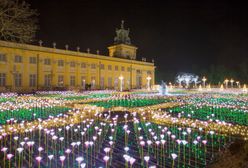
(72, 64)
(83, 65)
(72, 81)
(47, 61)
(102, 82)
(32, 80)
(60, 80)
(18, 80)
(122, 68)
(109, 67)
(101, 66)
(60, 63)
(116, 68)
(93, 82)
(18, 59)
(93, 66)
(32, 60)
(47, 80)
(2, 79)
(3, 58)
(110, 82)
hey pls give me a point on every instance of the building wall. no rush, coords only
(95, 67)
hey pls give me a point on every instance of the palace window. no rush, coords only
(72, 64)
(122, 68)
(32, 60)
(3, 58)
(47, 82)
(18, 80)
(101, 66)
(72, 81)
(102, 82)
(116, 82)
(60, 63)
(2, 79)
(129, 69)
(93, 66)
(32, 80)
(83, 65)
(110, 82)
(110, 67)
(60, 80)
(18, 59)
(116, 68)
(47, 61)
(93, 82)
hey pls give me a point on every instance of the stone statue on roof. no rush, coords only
(122, 35)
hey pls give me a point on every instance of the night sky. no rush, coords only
(180, 36)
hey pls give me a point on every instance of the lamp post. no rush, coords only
(121, 81)
(237, 82)
(226, 82)
(148, 78)
(204, 81)
(232, 82)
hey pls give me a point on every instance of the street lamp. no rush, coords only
(204, 81)
(237, 82)
(226, 82)
(121, 80)
(232, 82)
(148, 78)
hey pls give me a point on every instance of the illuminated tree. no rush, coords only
(187, 78)
(18, 22)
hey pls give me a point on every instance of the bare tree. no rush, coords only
(18, 22)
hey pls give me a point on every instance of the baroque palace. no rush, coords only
(27, 67)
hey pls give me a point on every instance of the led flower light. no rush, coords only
(204, 142)
(149, 142)
(9, 156)
(126, 149)
(40, 149)
(62, 158)
(126, 157)
(19, 150)
(38, 158)
(82, 165)
(174, 156)
(146, 158)
(79, 159)
(107, 150)
(50, 157)
(68, 151)
(132, 160)
(4, 149)
(106, 159)
(142, 143)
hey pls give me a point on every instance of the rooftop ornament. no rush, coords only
(122, 35)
